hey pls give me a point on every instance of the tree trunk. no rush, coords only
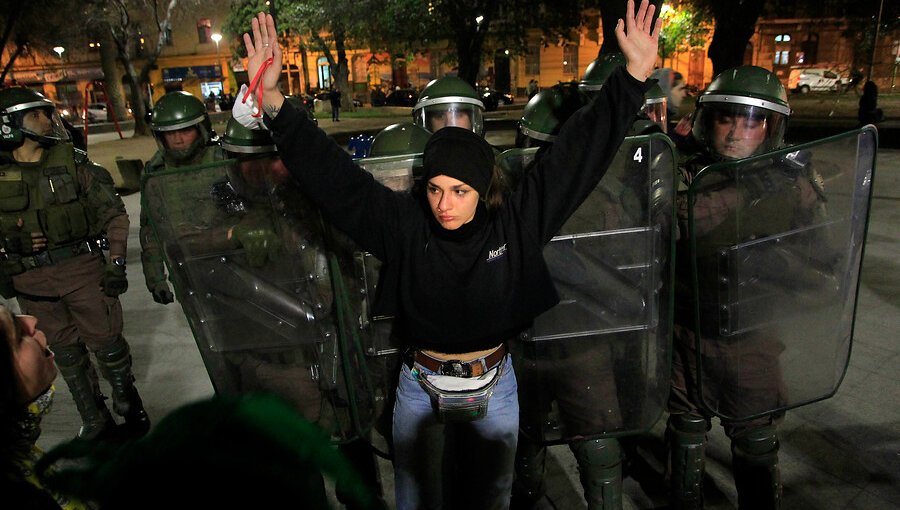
(735, 24)
(611, 11)
(342, 71)
(112, 75)
(304, 59)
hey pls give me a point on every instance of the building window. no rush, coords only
(167, 37)
(204, 30)
(324, 73)
(533, 60)
(782, 58)
(570, 59)
(783, 38)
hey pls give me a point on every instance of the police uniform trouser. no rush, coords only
(749, 380)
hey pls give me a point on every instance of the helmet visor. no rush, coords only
(466, 116)
(655, 110)
(737, 131)
(44, 125)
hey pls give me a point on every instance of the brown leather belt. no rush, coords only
(474, 368)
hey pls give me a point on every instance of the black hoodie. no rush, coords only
(472, 288)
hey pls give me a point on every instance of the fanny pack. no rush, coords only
(459, 399)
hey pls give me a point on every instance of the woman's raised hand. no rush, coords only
(638, 39)
(260, 48)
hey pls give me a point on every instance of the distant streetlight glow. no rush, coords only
(59, 50)
(506, 52)
(479, 19)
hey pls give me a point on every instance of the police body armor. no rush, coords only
(45, 196)
(597, 364)
(279, 322)
(776, 249)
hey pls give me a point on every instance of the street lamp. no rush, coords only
(216, 37)
(59, 51)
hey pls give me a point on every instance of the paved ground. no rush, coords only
(842, 453)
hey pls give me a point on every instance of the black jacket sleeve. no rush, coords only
(349, 197)
(567, 173)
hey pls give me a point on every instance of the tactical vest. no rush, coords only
(47, 197)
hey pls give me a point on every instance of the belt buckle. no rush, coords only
(456, 368)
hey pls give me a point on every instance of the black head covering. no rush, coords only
(461, 154)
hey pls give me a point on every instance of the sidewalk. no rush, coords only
(842, 453)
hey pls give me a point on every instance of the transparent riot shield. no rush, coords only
(257, 281)
(395, 172)
(776, 249)
(597, 364)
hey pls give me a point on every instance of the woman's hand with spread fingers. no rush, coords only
(638, 38)
(262, 48)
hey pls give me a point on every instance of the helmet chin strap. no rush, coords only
(42, 140)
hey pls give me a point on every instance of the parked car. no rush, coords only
(493, 98)
(96, 112)
(402, 97)
(816, 79)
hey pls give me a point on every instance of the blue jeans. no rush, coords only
(456, 464)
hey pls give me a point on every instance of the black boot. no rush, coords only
(81, 378)
(754, 460)
(686, 435)
(600, 470)
(115, 365)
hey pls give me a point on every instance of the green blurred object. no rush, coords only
(260, 243)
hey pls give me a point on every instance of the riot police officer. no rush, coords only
(655, 101)
(449, 101)
(184, 135)
(743, 113)
(59, 211)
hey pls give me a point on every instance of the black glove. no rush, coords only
(162, 294)
(114, 280)
(23, 243)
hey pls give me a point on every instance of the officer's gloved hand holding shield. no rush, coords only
(259, 241)
(162, 294)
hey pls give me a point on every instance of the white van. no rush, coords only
(818, 79)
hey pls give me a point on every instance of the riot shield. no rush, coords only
(597, 364)
(395, 172)
(261, 290)
(776, 249)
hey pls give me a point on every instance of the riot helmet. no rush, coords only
(397, 139)
(598, 72)
(257, 164)
(656, 107)
(239, 141)
(25, 113)
(742, 113)
(546, 112)
(180, 113)
(449, 101)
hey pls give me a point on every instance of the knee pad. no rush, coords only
(756, 442)
(113, 352)
(602, 453)
(70, 356)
